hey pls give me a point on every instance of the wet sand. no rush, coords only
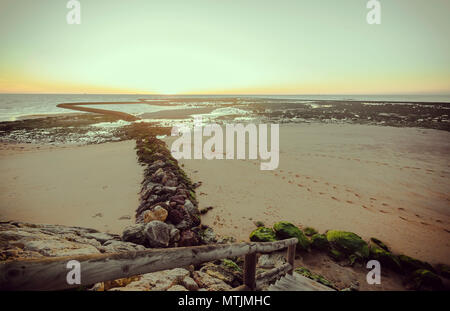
(384, 182)
(91, 186)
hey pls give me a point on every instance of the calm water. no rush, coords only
(13, 106)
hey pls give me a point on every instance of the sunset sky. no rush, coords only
(225, 47)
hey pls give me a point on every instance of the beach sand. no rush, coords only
(88, 186)
(384, 182)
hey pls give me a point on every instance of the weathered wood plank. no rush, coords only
(270, 275)
(250, 271)
(291, 257)
(297, 282)
(50, 273)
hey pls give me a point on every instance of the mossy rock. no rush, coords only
(231, 265)
(310, 231)
(423, 279)
(314, 276)
(444, 270)
(348, 243)
(286, 230)
(385, 258)
(263, 234)
(336, 255)
(320, 242)
(380, 244)
(411, 264)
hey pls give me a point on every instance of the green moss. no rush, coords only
(320, 242)
(286, 230)
(263, 234)
(386, 258)
(231, 264)
(314, 276)
(310, 231)
(336, 255)
(348, 243)
(380, 244)
(424, 279)
(411, 264)
(444, 270)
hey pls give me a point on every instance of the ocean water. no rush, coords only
(15, 106)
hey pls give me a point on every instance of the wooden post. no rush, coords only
(250, 271)
(291, 257)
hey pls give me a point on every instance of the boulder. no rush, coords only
(188, 238)
(380, 244)
(205, 280)
(157, 234)
(177, 288)
(320, 242)
(309, 231)
(189, 284)
(114, 246)
(387, 259)
(263, 234)
(411, 264)
(423, 279)
(134, 234)
(348, 243)
(158, 213)
(314, 276)
(285, 230)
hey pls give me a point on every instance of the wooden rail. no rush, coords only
(51, 273)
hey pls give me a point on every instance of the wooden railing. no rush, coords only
(51, 273)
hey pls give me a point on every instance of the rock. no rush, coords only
(228, 274)
(59, 248)
(410, 264)
(348, 243)
(114, 246)
(158, 281)
(174, 234)
(158, 213)
(157, 234)
(380, 244)
(266, 262)
(320, 242)
(207, 236)
(310, 231)
(285, 230)
(387, 259)
(444, 270)
(134, 234)
(107, 285)
(263, 234)
(189, 284)
(188, 238)
(204, 280)
(205, 210)
(177, 288)
(102, 237)
(423, 279)
(176, 215)
(314, 276)
(336, 255)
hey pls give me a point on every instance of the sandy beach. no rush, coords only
(92, 186)
(384, 182)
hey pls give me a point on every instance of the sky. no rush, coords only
(225, 47)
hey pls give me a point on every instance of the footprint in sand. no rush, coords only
(349, 202)
(300, 185)
(297, 175)
(334, 198)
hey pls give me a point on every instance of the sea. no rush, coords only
(18, 106)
